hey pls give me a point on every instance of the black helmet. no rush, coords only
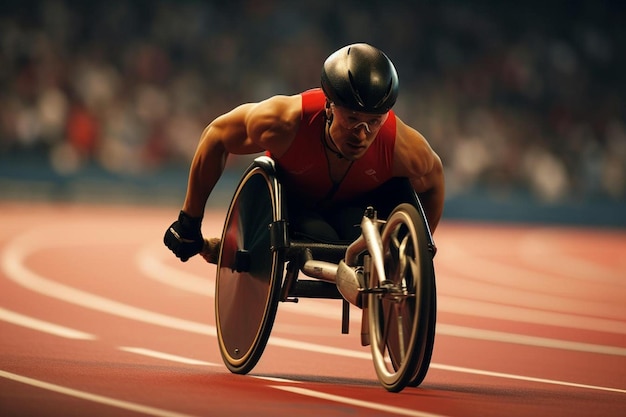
(361, 78)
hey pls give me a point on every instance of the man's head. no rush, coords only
(361, 86)
(361, 78)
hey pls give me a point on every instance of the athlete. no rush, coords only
(331, 145)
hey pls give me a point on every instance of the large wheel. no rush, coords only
(249, 272)
(401, 307)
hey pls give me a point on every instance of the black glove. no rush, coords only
(184, 237)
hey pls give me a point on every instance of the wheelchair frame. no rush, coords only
(387, 272)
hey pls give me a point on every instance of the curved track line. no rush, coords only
(528, 378)
(166, 356)
(518, 285)
(503, 337)
(101, 399)
(43, 326)
(468, 307)
(534, 249)
(154, 268)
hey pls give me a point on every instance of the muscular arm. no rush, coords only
(249, 128)
(415, 159)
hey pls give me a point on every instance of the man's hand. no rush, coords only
(184, 237)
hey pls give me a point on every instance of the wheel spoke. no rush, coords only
(383, 341)
(400, 325)
(402, 261)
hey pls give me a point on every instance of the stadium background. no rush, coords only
(105, 100)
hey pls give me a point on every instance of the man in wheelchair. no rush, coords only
(333, 147)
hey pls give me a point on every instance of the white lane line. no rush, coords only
(518, 339)
(526, 378)
(166, 356)
(43, 326)
(523, 286)
(154, 267)
(12, 263)
(389, 409)
(544, 247)
(126, 405)
(467, 307)
(273, 379)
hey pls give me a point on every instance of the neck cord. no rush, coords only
(336, 183)
(327, 145)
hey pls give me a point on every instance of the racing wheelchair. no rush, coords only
(387, 272)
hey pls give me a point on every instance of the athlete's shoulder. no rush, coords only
(277, 109)
(273, 122)
(414, 156)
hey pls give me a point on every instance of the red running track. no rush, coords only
(98, 318)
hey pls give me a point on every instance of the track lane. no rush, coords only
(446, 391)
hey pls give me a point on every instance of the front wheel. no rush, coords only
(401, 304)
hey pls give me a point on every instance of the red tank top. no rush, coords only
(304, 167)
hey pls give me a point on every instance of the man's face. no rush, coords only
(353, 132)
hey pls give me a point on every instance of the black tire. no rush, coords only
(249, 272)
(400, 309)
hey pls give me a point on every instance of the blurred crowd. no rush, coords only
(514, 97)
